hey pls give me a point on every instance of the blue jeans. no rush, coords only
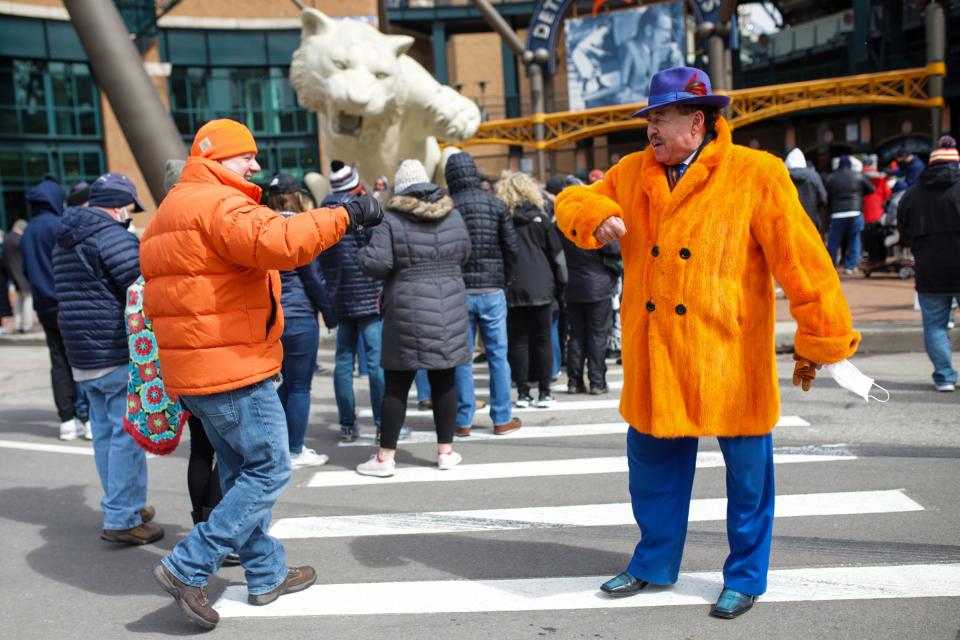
(424, 392)
(81, 407)
(301, 339)
(349, 332)
(661, 481)
(936, 340)
(847, 229)
(362, 368)
(248, 430)
(121, 463)
(487, 311)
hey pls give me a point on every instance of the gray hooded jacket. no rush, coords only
(419, 252)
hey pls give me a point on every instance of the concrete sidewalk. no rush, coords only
(882, 308)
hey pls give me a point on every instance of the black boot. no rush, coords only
(232, 559)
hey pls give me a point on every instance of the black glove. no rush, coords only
(364, 212)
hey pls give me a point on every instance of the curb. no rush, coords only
(878, 338)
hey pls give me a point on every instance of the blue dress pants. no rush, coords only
(661, 482)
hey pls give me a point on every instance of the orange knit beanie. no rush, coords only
(219, 139)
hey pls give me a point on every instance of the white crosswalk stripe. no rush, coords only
(536, 469)
(582, 515)
(543, 594)
(529, 431)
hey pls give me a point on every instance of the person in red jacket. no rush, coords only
(873, 203)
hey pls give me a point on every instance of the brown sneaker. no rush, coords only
(147, 513)
(192, 600)
(141, 534)
(513, 425)
(298, 579)
(462, 432)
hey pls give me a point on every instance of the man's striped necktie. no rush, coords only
(674, 173)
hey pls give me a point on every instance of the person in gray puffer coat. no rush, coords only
(809, 184)
(419, 252)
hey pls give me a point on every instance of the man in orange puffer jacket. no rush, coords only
(704, 226)
(210, 258)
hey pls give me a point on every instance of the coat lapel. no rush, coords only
(663, 202)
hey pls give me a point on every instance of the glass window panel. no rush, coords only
(72, 166)
(87, 123)
(246, 48)
(281, 45)
(65, 123)
(10, 166)
(185, 46)
(37, 165)
(92, 165)
(64, 43)
(22, 37)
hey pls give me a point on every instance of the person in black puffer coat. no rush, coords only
(845, 190)
(356, 298)
(419, 251)
(591, 285)
(809, 184)
(303, 295)
(540, 273)
(94, 261)
(929, 222)
(493, 252)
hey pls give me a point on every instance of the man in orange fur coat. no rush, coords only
(705, 226)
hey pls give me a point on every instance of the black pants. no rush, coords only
(443, 392)
(528, 332)
(588, 328)
(203, 481)
(61, 377)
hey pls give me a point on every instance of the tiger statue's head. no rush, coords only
(348, 72)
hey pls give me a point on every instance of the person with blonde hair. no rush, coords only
(540, 272)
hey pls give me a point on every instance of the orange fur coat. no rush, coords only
(698, 301)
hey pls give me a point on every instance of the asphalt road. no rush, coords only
(866, 544)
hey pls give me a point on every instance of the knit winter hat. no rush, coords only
(946, 152)
(343, 177)
(409, 173)
(219, 139)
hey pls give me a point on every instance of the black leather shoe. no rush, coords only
(731, 604)
(623, 585)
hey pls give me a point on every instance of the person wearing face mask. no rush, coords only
(211, 259)
(704, 226)
(94, 261)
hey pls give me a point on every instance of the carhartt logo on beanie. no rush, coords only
(219, 139)
(343, 177)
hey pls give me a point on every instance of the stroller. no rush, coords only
(881, 245)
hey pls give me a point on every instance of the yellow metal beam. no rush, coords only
(904, 87)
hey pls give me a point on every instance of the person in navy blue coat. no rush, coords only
(94, 261)
(46, 204)
(304, 295)
(355, 297)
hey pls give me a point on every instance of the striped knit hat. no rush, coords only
(946, 152)
(343, 177)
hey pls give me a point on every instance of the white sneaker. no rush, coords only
(544, 402)
(377, 468)
(70, 429)
(86, 429)
(447, 461)
(307, 458)
(946, 387)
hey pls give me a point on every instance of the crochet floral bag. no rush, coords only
(154, 418)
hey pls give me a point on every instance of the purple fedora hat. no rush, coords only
(681, 85)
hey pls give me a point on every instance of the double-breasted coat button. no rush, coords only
(681, 309)
(684, 253)
(650, 305)
(573, 232)
(655, 251)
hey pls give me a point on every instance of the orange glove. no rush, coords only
(804, 372)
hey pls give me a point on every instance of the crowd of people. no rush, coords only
(210, 320)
